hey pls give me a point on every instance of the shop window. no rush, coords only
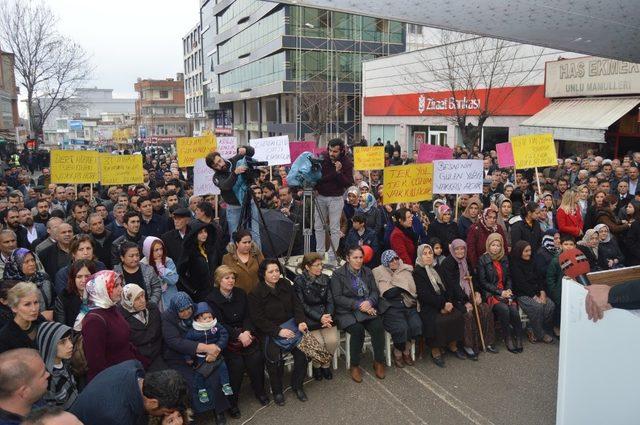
(492, 136)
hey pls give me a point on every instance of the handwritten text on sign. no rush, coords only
(203, 179)
(368, 158)
(274, 150)
(74, 167)
(120, 169)
(191, 148)
(227, 146)
(408, 183)
(534, 150)
(457, 176)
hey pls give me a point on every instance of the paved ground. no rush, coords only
(498, 389)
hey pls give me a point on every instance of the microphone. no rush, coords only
(574, 264)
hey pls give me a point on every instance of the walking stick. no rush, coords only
(475, 310)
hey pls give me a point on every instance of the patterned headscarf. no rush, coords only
(463, 267)
(13, 267)
(370, 202)
(181, 301)
(483, 220)
(434, 277)
(548, 241)
(599, 227)
(442, 209)
(387, 257)
(130, 292)
(100, 287)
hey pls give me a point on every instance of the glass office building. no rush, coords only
(265, 63)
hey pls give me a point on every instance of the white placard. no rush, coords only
(203, 179)
(598, 370)
(457, 176)
(227, 146)
(274, 150)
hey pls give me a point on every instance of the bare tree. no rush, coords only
(319, 108)
(473, 67)
(50, 66)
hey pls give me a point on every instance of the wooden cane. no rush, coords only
(475, 309)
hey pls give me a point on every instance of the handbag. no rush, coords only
(288, 344)
(312, 348)
(79, 365)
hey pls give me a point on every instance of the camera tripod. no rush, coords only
(309, 205)
(246, 217)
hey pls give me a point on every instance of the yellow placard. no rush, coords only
(120, 169)
(368, 158)
(408, 183)
(74, 167)
(192, 148)
(534, 150)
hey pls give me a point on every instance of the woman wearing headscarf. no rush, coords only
(610, 255)
(351, 203)
(469, 216)
(478, 234)
(549, 248)
(444, 228)
(105, 333)
(589, 247)
(505, 214)
(442, 323)
(177, 320)
(155, 255)
(528, 287)
(454, 271)
(201, 256)
(22, 266)
(495, 280)
(368, 209)
(395, 283)
(146, 326)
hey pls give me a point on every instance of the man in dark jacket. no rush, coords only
(24, 381)
(122, 394)
(337, 176)
(225, 177)
(12, 222)
(131, 224)
(102, 239)
(173, 239)
(57, 255)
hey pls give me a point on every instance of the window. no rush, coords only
(493, 135)
(164, 94)
(384, 132)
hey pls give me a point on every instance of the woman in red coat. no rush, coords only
(403, 240)
(569, 216)
(478, 234)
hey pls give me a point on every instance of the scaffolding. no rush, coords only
(333, 90)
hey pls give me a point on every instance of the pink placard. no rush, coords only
(430, 153)
(296, 148)
(319, 151)
(505, 155)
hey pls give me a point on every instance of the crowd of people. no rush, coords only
(147, 303)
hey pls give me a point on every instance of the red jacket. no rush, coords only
(570, 224)
(403, 246)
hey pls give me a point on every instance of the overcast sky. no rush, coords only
(128, 39)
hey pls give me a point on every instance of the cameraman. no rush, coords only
(337, 176)
(225, 176)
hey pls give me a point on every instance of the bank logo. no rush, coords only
(422, 103)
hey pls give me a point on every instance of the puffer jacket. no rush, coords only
(315, 296)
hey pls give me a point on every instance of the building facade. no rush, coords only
(277, 69)
(88, 118)
(193, 95)
(160, 110)
(9, 118)
(406, 99)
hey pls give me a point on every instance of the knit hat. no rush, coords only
(47, 338)
(179, 302)
(388, 256)
(146, 247)
(130, 292)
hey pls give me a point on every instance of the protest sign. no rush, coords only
(534, 150)
(430, 153)
(319, 151)
(296, 148)
(368, 158)
(408, 183)
(120, 169)
(505, 155)
(457, 176)
(203, 179)
(227, 146)
(191, 148)
(274, 150)
(75, 167)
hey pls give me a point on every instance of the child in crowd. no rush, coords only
(438, 257)
(360, 235)
(206, 330)
(56, 348)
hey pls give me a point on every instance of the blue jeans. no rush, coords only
(233, 220)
